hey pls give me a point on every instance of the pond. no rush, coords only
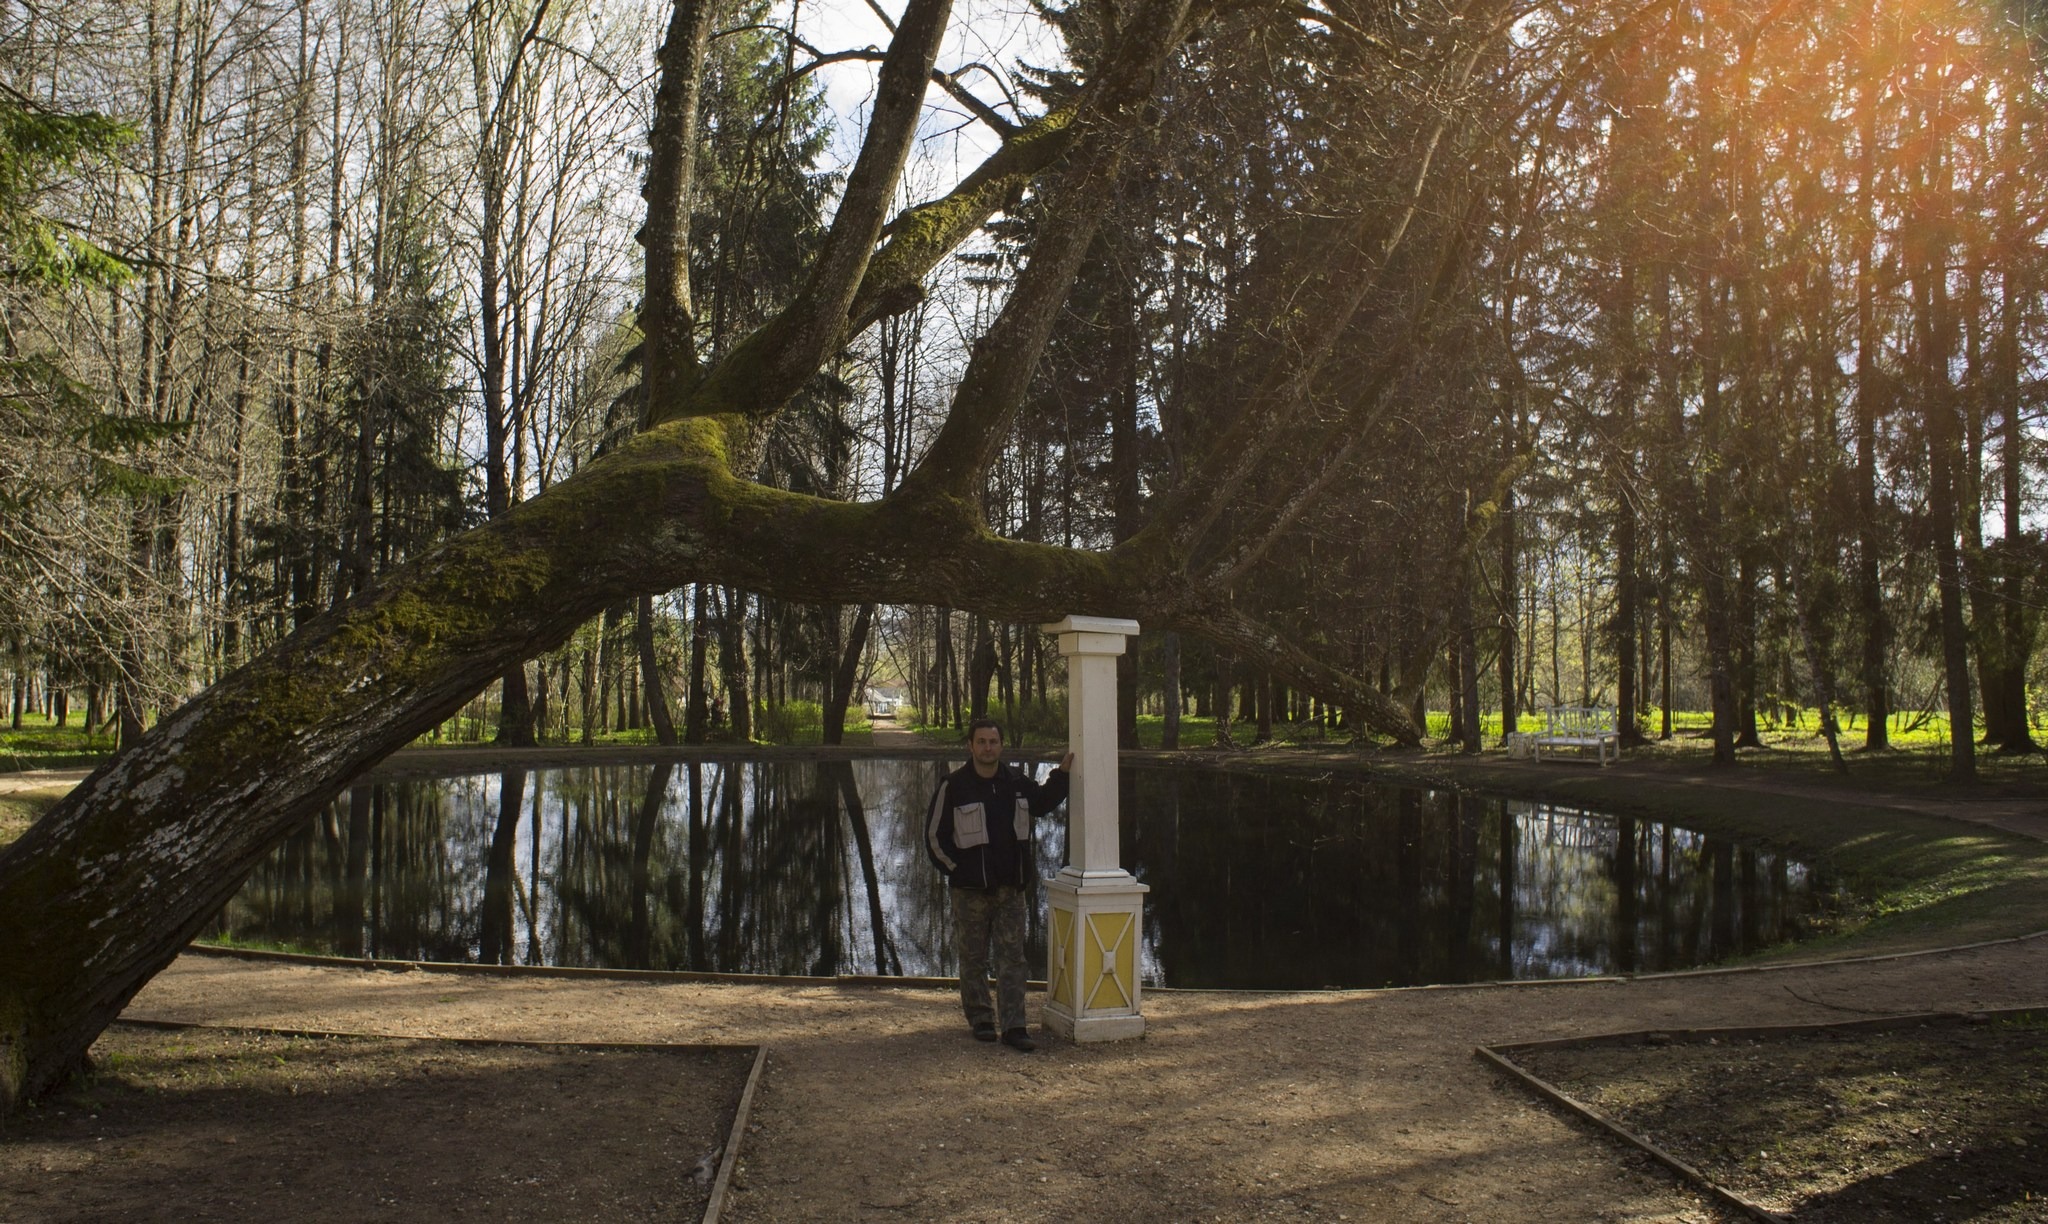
(766, 866)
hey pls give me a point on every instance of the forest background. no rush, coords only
(1708, 375)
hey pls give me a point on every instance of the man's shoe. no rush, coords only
(1020, 1040)
(984, 1031)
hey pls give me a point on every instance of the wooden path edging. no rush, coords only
(729, 1160)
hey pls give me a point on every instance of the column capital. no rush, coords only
(1091, 634)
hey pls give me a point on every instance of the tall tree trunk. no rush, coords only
(1627, 623)
(1954, 631)
(2015, 625)
(733, 664)
(1944, 442)
(1467, 643)
(846, 673)
(129, 697)
(1870, 530)
(1223, 703)
(515, 709)
(1262, 693)
(981, 668)
(590, 706)
(1169, 666)
(697, 719)
(650, 674)
(1713, 557)
(1746, 734)
(1508, 617)
(1123, 476)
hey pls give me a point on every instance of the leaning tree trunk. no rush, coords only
(104, 890)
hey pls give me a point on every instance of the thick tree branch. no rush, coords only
(999, 374)
(667, 315)
(1300, 669)
(920, 236)
(774, 361)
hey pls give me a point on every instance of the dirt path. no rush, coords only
(1360, 1105)
(889, 735)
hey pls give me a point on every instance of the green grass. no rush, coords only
(803, 722)
(1909, 729)
(44, 744)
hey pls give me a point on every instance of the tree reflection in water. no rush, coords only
(817, 868)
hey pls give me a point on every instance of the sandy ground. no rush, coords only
(1360, 1105)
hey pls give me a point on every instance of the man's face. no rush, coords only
(987, 747)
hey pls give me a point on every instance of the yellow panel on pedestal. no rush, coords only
(1061, 988)
(1109, 963)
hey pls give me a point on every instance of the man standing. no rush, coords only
(978, 834)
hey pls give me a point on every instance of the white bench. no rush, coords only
(1579, 728)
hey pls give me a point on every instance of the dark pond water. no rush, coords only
(813, 867)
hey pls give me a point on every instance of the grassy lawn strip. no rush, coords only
(40, 743)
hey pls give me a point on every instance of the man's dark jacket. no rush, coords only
(978, 830)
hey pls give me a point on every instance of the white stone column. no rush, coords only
(1097, 908)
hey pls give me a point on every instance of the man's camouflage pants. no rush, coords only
(983, 917)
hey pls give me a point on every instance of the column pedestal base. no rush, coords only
(1092, 977)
